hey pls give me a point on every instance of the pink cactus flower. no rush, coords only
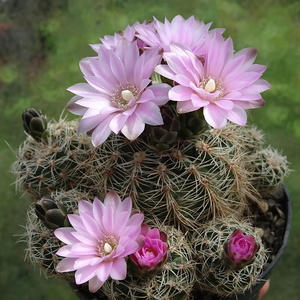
(102, 236)
(239, 250)
(129, 33)
(220, 82)
(189, 32)
(154, 253)
(118, 95)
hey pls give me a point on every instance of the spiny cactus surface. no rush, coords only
(214, 276)
(194, 182)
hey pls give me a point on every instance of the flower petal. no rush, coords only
(101, 132)
(74, 108)
(65, 235)
(95, 284)
(180, 93)
(224, 104)
(104, 270)
(66, 251)
(149, 113)
(85, 238)
(66, 265)
(133, 128)
(83, 275)
(119, 269)
(237, 115)
(214, 116)
(85, 261)
(118, 122)
(91, 226)
(81, 249)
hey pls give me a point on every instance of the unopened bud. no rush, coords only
(53, 215)
(35, 124)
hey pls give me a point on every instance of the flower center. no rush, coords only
(124, 97)
(210, 85)
(107, 246)
(149, 254)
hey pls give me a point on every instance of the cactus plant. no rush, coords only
(164, 128)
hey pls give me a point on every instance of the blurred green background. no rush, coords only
(41, 42)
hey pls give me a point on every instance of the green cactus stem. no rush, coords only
(188, 184)
(63, 162)
(269, 168)
(195, 180)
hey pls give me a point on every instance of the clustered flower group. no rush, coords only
(201, 67)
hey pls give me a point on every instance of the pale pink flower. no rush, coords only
(154, 253)
(118, 95)
(190, 32)
(239, 250)
(221, 82)
(129, 33)
(102, 236)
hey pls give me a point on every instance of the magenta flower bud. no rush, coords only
(239, 250)
(154, 252)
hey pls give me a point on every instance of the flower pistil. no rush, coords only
(212, 86)
(125, 97)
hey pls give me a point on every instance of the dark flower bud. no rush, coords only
(35, 124)
(53, 215)
(192, 124)
(165, 136)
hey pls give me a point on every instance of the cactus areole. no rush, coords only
(161, 190)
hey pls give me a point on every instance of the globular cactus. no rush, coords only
(61, 161)
(194, 181)
(176, 279)
(214, 275)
